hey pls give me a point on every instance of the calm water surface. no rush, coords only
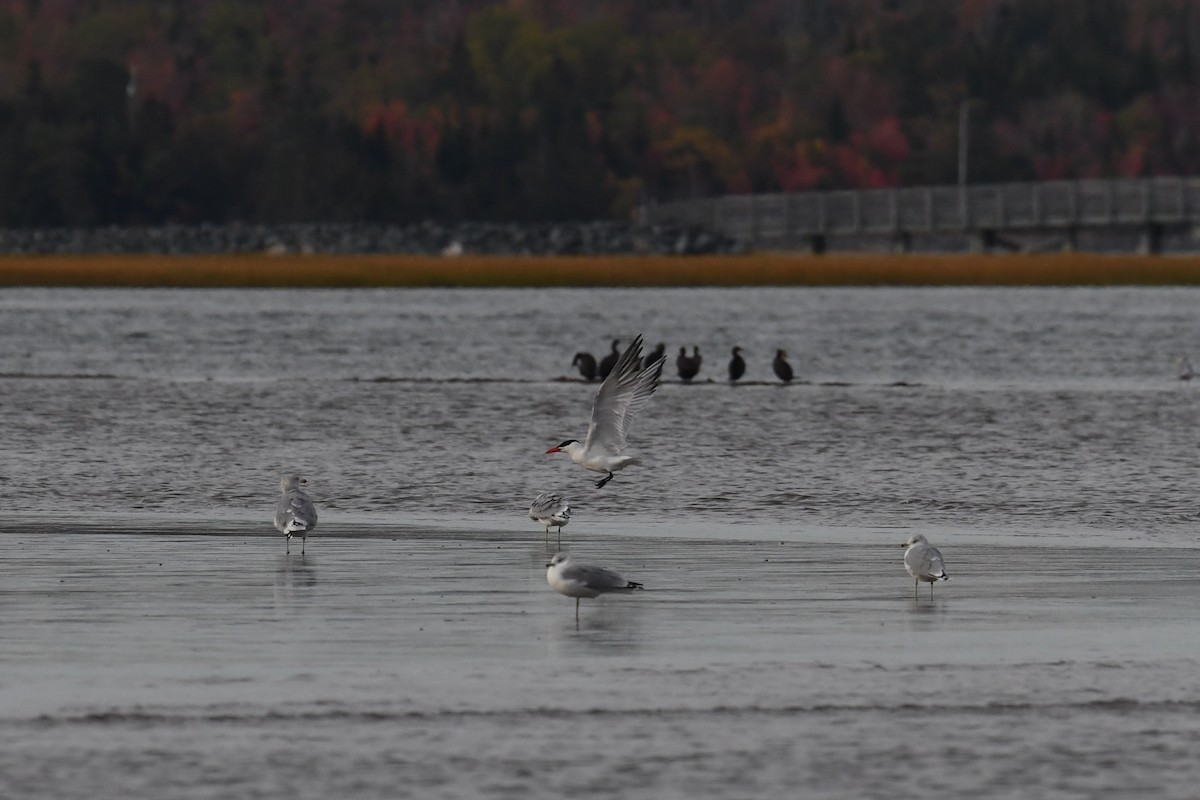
(156, 641)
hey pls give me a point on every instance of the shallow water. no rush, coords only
(156, 641)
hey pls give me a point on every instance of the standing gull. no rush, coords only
(623, 393)
(583, 580)
(550, 508)
(924, 562)
(295, 515)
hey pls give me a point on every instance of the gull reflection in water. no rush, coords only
(295, 576)
(605, 628)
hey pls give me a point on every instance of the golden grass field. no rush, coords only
(312, 271)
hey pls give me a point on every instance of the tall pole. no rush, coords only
(131, 92)
(964, 119)
(964, 143)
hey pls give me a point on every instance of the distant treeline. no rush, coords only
(269, 111)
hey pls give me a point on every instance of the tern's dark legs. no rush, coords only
(917, 589)
(303, 542)
(288, 549)
(604, 480)
(576, 610)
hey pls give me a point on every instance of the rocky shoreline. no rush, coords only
(425, 238)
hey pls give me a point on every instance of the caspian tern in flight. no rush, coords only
(623, 393)
(295, 515)
(584, 580)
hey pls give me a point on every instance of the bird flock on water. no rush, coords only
(629, 380)
(687, 366)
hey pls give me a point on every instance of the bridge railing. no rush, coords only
(996, 208)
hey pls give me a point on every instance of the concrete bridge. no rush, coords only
(1140, 213)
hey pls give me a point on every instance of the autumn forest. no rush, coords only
(186, 111)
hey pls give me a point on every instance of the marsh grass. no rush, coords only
(312, 271)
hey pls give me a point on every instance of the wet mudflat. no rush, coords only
(437, 662)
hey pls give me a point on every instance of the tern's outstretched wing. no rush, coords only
(623, 393)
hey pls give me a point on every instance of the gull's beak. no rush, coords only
(554, 450)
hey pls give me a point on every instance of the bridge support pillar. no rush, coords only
(1150, 242)
(983, 241)
(1070, 240)
(902, 242)
(816, 244)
